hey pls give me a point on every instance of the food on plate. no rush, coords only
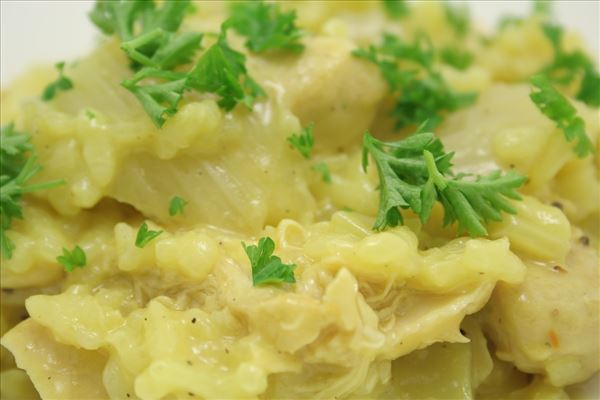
(361, 200)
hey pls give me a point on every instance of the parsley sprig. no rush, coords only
(18, 164)
(122, 17)
(169, 49)
(323, 169)
(414, 173)
(556, 107)
(176, 205)
(222, 70)
(267, 268)
(457, 17)
(420, 92)
(265, 26)
(150, 39)
(456, 57)
(145, 236)
(62, 83)
(396, 9)
(566, 66)
(72, 259)
(303, 141)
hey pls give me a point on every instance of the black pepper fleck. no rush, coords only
(194, 320)
(557, 204)
(558, 268)
(584, 240)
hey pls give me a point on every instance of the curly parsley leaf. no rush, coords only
(72, 259)
(303, 141)
(145, 236)
(566, 66)
(420, 92)
(14, 146)
(118, 16)
(471, 203)
(323, 169)
(456, 58)
(62, 83)
(169, 16)
(150, 39)
(267, 268)
(396, 8)
(556, 107)
(176, 206)
(16, 169)
(402, 171)
(148, 32)
(222, 71)
(457, 17)
(414, 173)
(589, 92)
(122, 17)
(265, 26)
(158, 99)
(428, 99)
(171, 49)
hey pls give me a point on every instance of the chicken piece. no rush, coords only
(549, 324)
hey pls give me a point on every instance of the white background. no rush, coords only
(50, 31)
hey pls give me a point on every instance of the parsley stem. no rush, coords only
(434, 173)
(130, 47)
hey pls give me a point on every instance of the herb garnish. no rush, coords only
(455, 57)
(566, 66)
(267, 268)
(303, 141)
(222, 71)
(121, 17)
(414, 173)
(457, 17)
(144, 236)
(420, 92)
(176, 206)
(62, 83)
(396, 8)
(151, 41)
(556, 107)
(15, 170)
(265, 26)
(323, 169)
(72, 259)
